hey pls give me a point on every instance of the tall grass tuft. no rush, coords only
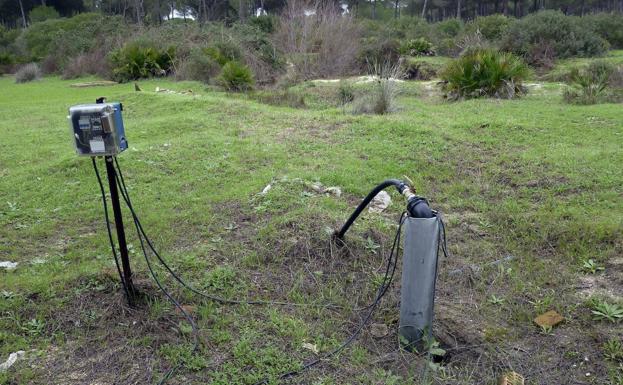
(28, 73)
(484, 72)
(382, 98)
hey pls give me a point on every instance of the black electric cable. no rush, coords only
(190, 320)
(386, 283)
(400, 185)
(387, 280)
(126, 198)
(112, 243)
(171, 371)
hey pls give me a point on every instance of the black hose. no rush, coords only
(400, 186)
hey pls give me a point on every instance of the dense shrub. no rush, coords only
(7, 61)
(345, 92)
(197, 66)
(448, 27)
(484, 72)
(281, 97)
(564, 34)
(223, 52)
(236, 77)
(324, 44)
(492, 27)
(28, 73)
(598, 82)
(42, 13)
(417, 47)
(265, 23)
(58, 42)
(607, 25)
(136, 61)
(415, 69)
(94, 62)
(377, 50)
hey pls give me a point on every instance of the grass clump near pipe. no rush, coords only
(484, 72)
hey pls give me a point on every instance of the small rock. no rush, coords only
(380, 202)
(190, 309)
(334, 191)
(13, 357)
(512, 378)
(312, 347)
(379, 330)
(266, 189)
(8, 265)
(550, 318)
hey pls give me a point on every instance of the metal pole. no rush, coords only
(123, 247)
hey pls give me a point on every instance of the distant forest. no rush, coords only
(19, 13)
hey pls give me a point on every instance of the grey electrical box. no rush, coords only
(97, 129)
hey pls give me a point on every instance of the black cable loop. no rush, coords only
(126, 198)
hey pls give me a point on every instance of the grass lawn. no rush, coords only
(534, 182)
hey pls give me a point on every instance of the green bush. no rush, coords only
(265, 23)
(57, 42)
(42, 13)
(417, 47)
(236, 77)
(136, 61)
(345, 92)
(484, 72)
(415, 69)
(492, 27)
(564, 34)
(607, 25)
(448, 27)
(595, 83)
(197, 66)
(377, 50)
(28, 73)
(223, 52)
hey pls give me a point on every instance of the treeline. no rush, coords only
(21, 13)
(294, 46)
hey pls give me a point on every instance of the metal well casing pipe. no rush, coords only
(419, 274)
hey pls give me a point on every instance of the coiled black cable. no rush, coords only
(382, 290)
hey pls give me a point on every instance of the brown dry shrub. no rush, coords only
(91, 63)
(318, 39)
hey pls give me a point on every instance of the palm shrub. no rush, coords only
(236, 76)
(590, 85)
(484, 72)
(136, 61)
(417, 47)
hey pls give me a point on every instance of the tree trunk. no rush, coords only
(396, 8)
(21, 8)
(424, 8)
(241, 10)
(458, 9)
(374, 9)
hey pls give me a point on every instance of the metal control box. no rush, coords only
(97, 129)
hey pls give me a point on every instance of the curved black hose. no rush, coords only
(400, 186)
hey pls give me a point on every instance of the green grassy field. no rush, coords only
(534, 179)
